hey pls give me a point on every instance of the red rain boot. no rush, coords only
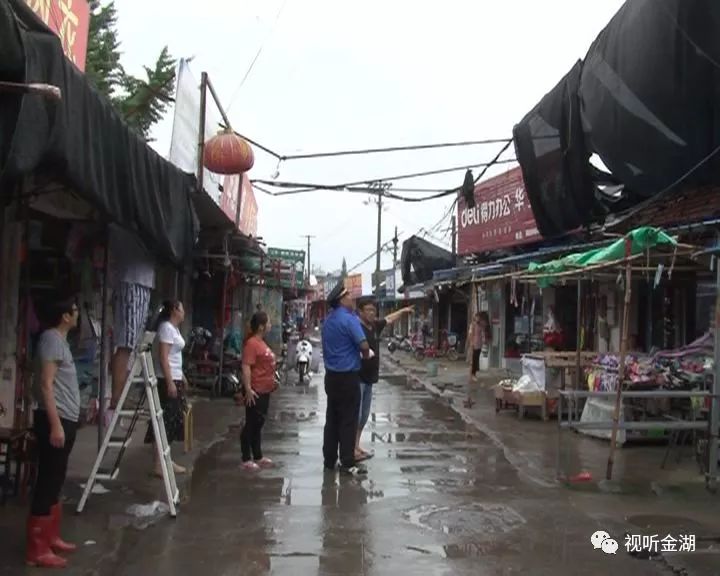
(57, 543)
(38, 551)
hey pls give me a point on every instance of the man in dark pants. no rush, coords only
(344, 344)
(370, 370)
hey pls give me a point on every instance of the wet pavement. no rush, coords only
(440, 498)
(447, 493)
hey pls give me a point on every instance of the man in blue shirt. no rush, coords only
(344, 344)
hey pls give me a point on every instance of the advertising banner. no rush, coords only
(70, 20)
(354, 285)
(502, 216)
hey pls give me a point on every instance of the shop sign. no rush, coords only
(353, 283)
(502, 216)
(70, 20)
(286, 254)
(390, 285)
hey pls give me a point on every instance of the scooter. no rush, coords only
(303, 359)
(202, 365)
(399, 343)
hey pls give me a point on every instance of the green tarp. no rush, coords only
(642, 239)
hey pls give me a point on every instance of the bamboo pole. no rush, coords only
(622, 366)
(469, 345)
(578, 337)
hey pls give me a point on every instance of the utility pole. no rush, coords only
(380, 189)
(395, 249)
(309, 270)
(453, 229)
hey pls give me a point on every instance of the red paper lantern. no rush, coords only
(228, 153)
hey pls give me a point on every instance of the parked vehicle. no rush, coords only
(447, 348)
(303, 359)
(401, 343)
(203, 363)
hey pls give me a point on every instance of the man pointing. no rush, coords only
(344, 343)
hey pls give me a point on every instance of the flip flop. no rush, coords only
(363, 457)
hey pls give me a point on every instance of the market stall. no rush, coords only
(626, 393)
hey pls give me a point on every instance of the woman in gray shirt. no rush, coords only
(57, 395)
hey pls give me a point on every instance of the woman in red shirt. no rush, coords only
(258, 370)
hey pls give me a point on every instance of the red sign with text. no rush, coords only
(70, 20)
(502, 216)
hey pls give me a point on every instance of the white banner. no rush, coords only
(186, 125)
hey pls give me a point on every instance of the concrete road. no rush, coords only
(440, 499)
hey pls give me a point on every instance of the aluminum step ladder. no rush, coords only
(142, 372)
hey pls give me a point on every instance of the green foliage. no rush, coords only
(140, 101)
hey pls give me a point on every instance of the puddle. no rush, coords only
(288, 416)
(666, 524)
(484, 520)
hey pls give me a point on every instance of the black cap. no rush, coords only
(337, 293)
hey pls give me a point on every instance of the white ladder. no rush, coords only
(142, 372)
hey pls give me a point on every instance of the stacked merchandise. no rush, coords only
(603, 375)
(687, 367)
(684, 368)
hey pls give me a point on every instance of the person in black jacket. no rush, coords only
(370, 367)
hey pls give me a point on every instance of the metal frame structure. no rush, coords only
(712, 425)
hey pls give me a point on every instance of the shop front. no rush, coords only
(60, 191)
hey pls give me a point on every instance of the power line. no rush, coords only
(257, 55)
(395, 149)
(366, 260)
(349, 185)
(355, 152)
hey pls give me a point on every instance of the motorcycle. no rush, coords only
(202, 362)
(303, 359)
(399, 343)
(447, 348)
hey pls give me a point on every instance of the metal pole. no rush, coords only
(715, 402)
(623, 353)
(395, 248)
(223, 304)
(578, 339)
(201, 131)
(22, 322)
(214, 95)
(309, 268)
(102, 376)
(454, 235)
(379, 241)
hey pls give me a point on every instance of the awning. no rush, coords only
(421, 258)
(644, 100)
(81, 142)
(641, 239)
(210, 215)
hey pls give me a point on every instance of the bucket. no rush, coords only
(432, 369)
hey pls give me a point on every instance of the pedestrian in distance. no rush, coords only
(258, 371)
(370, 367)
(479, 337)
(171, 380)
(344, 343)
(57, 394)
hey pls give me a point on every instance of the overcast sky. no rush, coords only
(343, 75)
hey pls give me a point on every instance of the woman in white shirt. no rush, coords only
(171, 381)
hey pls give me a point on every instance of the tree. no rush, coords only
(141, 102)
(344, 270)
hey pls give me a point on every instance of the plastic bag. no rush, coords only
(526, 384)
